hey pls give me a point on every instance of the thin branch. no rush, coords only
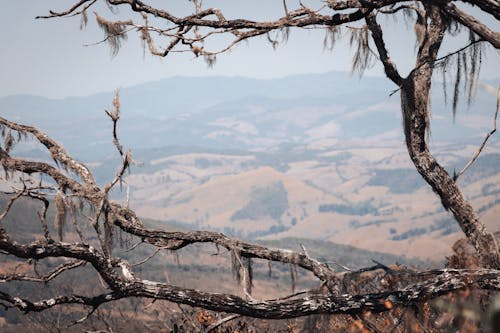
(134, 246)
(472, 43)
(304, 250)
(126, 156)
(444, 58)
(128, 222)
(340, 265)
(11, 202)
(188, 317)
(45, 278)
(246, 282)
(38, 306)
(285, 8)
(483, 144)
(220, 322)
(43, 214)
(147, 259)
(391, 11)
(110, 36)
(71, 10)
(84, 318)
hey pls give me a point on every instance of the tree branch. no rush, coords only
(45, 278)
(444, 281)
(242, 29)
(488, 6)
(71, 10)
(298, 18)
(389, 66)
(26, 305)
(350, 4)
(483, 144)
(473, 24)
(57, 152)
(30, 167)
(80, 251)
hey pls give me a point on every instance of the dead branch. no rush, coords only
(483, 144)
(474, 24)
(389, 66)
(45, 278)
(191, 33)
(57, 152)
(71, 11)
(437, 282)
(221, 321)
(442, 281)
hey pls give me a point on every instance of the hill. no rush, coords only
(317, 156)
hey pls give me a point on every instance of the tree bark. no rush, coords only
(414, 101)
(415, 91)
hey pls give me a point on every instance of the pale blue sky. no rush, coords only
(48, 57)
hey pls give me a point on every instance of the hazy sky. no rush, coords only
(48, 57)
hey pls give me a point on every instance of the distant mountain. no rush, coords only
(317, 156)
(238, 113)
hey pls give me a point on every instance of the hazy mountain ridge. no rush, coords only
(318, 156)
(239, 113)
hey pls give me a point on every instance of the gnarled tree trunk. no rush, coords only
(415, 90)
(414, 100)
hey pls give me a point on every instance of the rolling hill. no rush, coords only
(317, 156)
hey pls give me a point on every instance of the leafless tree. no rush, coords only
(72, 188)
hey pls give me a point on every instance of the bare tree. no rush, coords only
(72, 185)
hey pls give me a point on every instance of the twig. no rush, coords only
(11, 202)
(45, 278)
(481, 147)
(459, 50)
(43, 213)
(289, 296)
(221, 321)
(134, 246)
(340, 265)
(81, 320)
(67, 12)
(246, 276)
(304, 249)
(148, 258)
(187, 316)
(108, 37)
(285, 8)
(443, 58)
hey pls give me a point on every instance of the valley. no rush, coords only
(318, 156)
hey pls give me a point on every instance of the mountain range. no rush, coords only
(317, 156)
